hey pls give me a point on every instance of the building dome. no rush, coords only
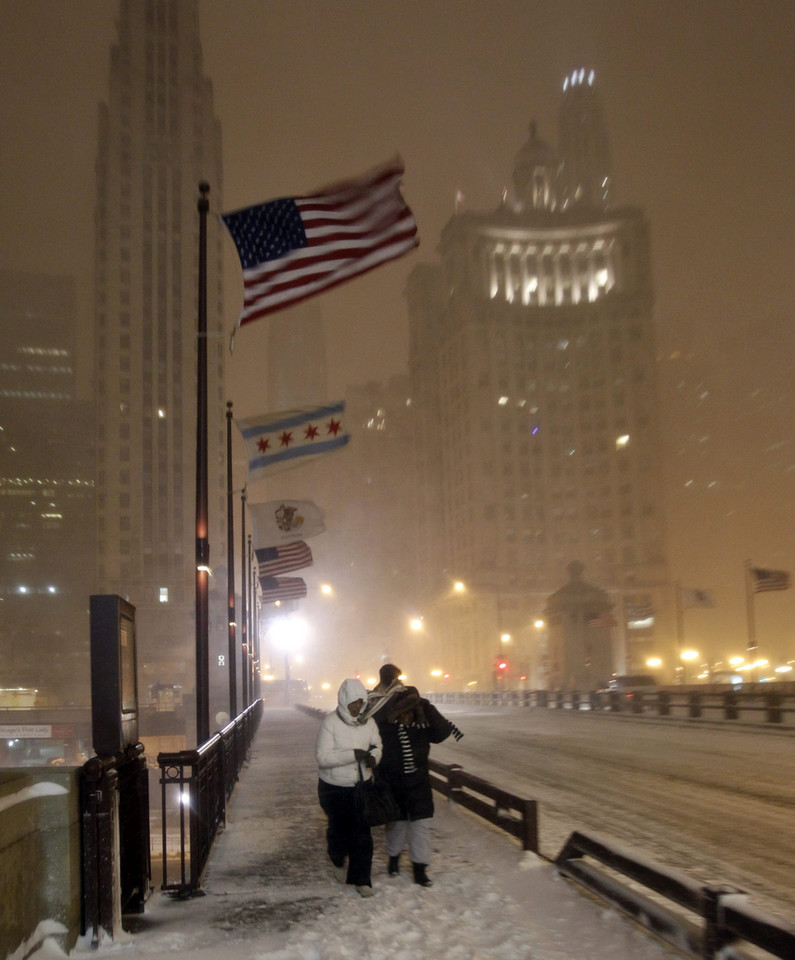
(535, 172)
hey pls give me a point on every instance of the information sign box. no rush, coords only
(114, 683)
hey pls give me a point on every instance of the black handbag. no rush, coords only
(375, 804)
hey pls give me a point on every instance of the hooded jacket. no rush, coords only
(340, 734)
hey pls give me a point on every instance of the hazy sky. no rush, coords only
(698, 97)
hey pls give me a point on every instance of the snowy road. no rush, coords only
(716, 803)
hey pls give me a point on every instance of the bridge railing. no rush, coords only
(714, 919)
(761, 706)
(194, 788)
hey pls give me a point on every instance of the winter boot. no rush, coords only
(394, 868)
(420, 876)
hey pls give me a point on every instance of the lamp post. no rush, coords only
(287, 634)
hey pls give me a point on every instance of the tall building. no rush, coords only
(533, 371)
(158, 139)
(46, 493)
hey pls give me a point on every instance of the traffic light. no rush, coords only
(502, 667)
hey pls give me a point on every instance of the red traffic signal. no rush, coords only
(502, 666)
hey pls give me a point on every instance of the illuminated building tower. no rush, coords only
(533, 371)
(158, 138)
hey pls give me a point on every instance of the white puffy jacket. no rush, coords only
(340, 734)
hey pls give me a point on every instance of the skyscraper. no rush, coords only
(158, 138)
(533, 371)
(46, 492)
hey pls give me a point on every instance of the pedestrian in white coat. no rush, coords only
(345, 750)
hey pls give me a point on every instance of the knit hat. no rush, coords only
(401, 701)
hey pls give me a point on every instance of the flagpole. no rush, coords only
(749, 606)
(230, 568)
(251, 608)
(680, 629)
(243, 604)
(202, 543)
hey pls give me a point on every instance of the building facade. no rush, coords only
(533, 370)
(46, 495)
(158, 139)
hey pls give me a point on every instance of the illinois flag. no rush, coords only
(276, 441)
(282, 521)
(295, 247)
(281, 588)
(271, 561)
(764, 580)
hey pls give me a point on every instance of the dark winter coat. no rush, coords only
(412, 790)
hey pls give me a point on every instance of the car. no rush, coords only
(628, 688)
(633, 683)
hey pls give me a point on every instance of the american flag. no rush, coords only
(763, 580)
(275, 560)
(281, 588)
(293, 248)
(601, 620)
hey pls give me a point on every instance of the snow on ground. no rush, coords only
(490, 901)
(270, 893)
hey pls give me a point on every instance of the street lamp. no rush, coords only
(287, 634)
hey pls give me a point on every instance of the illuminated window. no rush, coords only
(164, 594)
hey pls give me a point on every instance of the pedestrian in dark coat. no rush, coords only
(409, 724)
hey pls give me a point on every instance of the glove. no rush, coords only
(365, 757)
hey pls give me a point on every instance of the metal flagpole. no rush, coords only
(749, 606)
(202, 543)
(251, 614)
(680, 630)
(230, 568)
(243, 604)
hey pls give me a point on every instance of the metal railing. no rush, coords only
(115, 864)
(717, 915)
(195, 786)
(761, 706)
(515, 815)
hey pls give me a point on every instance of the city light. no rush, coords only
(416, 623)
(459, 586)
(689, 655)
(286, 633)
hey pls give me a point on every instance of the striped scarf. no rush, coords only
(405, 749)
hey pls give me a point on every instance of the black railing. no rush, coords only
(516, 815)
(195, 786)
(717, 915)
(761, 706)
(115, 865)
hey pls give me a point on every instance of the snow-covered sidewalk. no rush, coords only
(270, 893)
